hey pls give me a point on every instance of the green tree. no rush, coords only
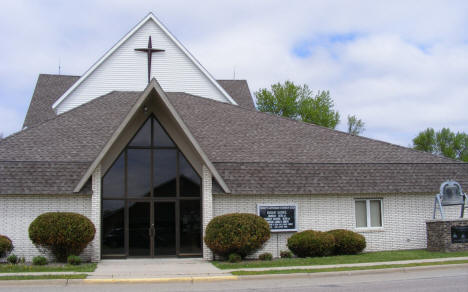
(298, 102)
(443, 142)
(355, 125)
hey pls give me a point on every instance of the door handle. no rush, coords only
(152, 230)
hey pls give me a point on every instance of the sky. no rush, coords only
(400, 66)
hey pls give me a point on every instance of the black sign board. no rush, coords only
(280, 217)
(459, 234)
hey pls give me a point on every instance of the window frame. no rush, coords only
(368, 214)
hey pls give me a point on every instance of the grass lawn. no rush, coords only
(7, 268)
(370, 257)
(43, 277)
(293, 271)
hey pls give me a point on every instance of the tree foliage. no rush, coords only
(443, 142)
(355, 125)
(298, 102)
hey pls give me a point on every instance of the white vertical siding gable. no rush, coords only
(124, 69)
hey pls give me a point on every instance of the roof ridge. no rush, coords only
(328, 129)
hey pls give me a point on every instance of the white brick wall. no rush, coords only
(18, 211)
(96, 214)
(207, 204)
(404, 217)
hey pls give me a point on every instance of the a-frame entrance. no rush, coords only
(151, 199)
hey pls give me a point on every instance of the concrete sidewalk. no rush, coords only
(192, 270)
(156, 268)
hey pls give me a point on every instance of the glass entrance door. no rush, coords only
(165, 228)
(151, 229)
(139, 232)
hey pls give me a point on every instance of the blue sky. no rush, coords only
(401, 66)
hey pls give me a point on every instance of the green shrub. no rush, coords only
(6, 246)
(265, 256)
(39, 261)
(62, 233)
(12, 259)
(347, 241)
(234, 258)
(22, 260)
(285, 254)
(239, 233)
(74, 260)
(311, 243)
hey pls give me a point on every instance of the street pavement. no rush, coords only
(444, 278)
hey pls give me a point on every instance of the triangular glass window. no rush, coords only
(160, 137)
(143, 136)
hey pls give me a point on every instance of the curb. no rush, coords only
(161, 280)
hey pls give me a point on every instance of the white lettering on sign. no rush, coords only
(280, 218)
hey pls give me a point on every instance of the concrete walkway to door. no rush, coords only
(155, 268)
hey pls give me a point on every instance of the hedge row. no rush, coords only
(312, 243)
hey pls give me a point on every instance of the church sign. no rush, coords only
(279, 217)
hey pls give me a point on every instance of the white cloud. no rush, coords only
(402, 71)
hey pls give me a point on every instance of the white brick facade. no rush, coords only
(404, 217)
(207, 204)
(18, 211)
(96, 214)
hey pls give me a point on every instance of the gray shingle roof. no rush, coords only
(75, 136)
(229, 133)
(338, 178)
(254, 152)
(48, 89)
(239, 90)
(36, 178)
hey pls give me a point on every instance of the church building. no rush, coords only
(150, 147)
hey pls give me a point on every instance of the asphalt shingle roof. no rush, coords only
(255, 153)
(48, 89)
(75, 136)
(338, 178)
(36, 178)
(239, 90)
(230, 133)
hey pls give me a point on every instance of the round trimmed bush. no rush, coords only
(347, 241)
(239, 233)
(62, 233)
(6, 246)
(311, 243)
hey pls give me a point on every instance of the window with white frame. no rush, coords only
(368, 213)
